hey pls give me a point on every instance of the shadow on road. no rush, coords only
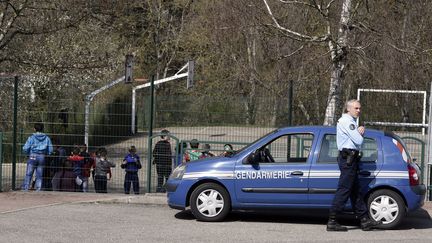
(419, 219)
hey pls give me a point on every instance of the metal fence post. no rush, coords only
(14, 137)
(150, 134)
(1, 162)
(290, 102)
(429, 144)
(430, 182)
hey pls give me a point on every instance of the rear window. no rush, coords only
(399, 143)
(329, 152)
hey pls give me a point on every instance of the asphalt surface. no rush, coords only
(90, 217)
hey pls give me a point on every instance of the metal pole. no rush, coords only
(424, 112)
(156, 82)
(14, 136)
(1, 161)
(89, 98)
(87, 121)
(133, 111)
(429, 143)
(150, 134)
(290, 102)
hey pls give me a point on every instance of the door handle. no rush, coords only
(297, 173)
(364, 173)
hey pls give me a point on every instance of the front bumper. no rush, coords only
(171, 187)
(177, 193)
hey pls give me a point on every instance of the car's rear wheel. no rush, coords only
(210, 202)
(388, 207)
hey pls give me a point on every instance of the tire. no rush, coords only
(210, 202)
(386, 206)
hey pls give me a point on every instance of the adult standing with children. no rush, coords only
(37, 147)
(162, 158)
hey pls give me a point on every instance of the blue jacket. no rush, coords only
(133, 163)
(38, 143)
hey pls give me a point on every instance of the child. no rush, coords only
(131, 164)
(206, 152)
(194, 153)
(228, 150)
(101, 169)
(77, 162)
(88, 162)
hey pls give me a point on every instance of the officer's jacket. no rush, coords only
(347, 134)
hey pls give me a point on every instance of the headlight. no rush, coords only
(178, 172)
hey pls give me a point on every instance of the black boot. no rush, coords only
(333, 225)
(367, 224)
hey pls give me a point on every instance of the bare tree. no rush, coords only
(337, 42)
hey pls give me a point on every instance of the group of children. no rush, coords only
(72, 173)
(195, 153)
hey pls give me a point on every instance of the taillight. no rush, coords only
(413, 176)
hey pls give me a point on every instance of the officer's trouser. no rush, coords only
(348, 187)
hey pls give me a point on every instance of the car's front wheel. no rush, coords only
(388, 207)
(210, 202)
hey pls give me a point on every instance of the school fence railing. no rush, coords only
(213, 120)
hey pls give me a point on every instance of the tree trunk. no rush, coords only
(251, 98)
(338, 52)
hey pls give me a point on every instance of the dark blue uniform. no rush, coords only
(349, 142)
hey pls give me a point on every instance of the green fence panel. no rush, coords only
(1, 161)
(422, 154)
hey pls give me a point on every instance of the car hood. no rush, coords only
(217, 163)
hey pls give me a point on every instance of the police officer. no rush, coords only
(349, 138)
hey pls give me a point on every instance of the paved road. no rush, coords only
(113, 222)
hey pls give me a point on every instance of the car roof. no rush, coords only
(330, 129)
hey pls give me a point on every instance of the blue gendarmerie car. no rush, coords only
(296, 167)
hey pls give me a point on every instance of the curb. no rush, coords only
(146, 199)
(161, 199)
(42, 199)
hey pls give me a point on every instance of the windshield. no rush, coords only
(254, 142)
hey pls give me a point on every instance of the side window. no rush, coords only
(369, 150)
(291, 148)
(328, 152)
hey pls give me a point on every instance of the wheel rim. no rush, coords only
(210, 203)
(384, 208)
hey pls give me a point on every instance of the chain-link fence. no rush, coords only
(405, 113)
(214, 120)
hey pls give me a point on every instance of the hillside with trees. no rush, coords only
(247, 50)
